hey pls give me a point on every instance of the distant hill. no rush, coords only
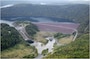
(75, 12)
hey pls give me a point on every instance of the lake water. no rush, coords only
(37, 19)
(40, 19)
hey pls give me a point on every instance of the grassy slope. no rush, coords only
(19, 51)
(40, 36)
(66, 40)
(77, 49)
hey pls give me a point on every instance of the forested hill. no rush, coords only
(76, 12)
(9, 36)
(13, 45)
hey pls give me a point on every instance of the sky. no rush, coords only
(46, 0)
(5, 2)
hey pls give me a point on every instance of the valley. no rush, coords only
(45, 31)
(41, 40)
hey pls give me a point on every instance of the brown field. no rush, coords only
(66, 28)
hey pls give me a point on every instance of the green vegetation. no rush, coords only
(84, 26)
(77, 49)
(31, 29)
(41, 35)
(60, 35)
(44, 52)
(9, 36)
(13, 45)
(66, 40)
(78, 13)
(30, 56)
(20, 50)
(63, 38)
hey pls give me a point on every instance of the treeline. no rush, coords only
(31, 29)
(77, 49)
(9, 36)
(60, 35)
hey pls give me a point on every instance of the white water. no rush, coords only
(40, 47)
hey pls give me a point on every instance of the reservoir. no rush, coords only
(37, 19)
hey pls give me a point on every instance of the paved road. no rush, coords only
(23, 32)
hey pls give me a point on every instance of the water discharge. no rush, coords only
(40, 47)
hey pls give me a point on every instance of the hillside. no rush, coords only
(77, 49)
(13, 45)
(9, 36)
(31, 29)
(74, 11)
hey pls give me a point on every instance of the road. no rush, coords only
(23, 32)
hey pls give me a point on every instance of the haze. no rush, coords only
(5, 2)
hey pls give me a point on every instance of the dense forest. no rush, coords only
(31, 29)
(73, 11)
(9, 36)
(77, 49)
